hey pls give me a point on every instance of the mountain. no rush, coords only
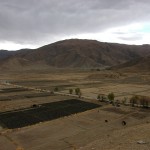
(5, 54)
(74, 53)
(136, 65)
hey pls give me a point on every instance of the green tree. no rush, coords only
(111, 96)
(98, 97)
(101, 97)
(134, 100)
(70, 91)
(77, 91)
(144, 102)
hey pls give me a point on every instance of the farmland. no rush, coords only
(29, 111)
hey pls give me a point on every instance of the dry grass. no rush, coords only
(86, 130)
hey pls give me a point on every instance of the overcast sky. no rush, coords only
(33, 23)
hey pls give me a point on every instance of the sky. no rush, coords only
(34, 23)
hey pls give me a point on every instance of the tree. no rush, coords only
(124, 101)
(77, 91)
(134, 100)
(98, 97)
(70, 91)
(111, 96)
(80, 94)
(144, 102)
(101, 97)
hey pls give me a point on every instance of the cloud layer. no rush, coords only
(39, 21)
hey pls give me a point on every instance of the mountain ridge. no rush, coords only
(75, 53)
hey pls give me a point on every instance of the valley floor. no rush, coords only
(97, 129)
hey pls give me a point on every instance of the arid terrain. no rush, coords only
(74, 75)
(59, 97)
(97, 128)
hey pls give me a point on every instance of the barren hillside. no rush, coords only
(75, 53)
(139, 64)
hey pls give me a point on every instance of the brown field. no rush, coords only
(83, 131)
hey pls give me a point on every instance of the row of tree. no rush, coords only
(110, 97)
(140, 100)
(134, 100)
(76, 90)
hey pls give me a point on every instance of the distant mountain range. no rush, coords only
(76, 53)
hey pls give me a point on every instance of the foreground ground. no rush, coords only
(99, 128)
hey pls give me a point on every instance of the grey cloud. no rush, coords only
(32, 21)
(119, 33)
(131, 38)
